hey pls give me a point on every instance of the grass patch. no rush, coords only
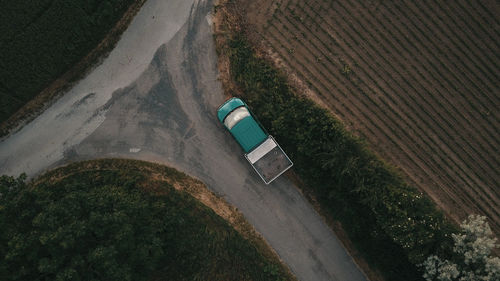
(121, 220)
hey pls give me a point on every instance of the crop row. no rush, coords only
(477, 124)
(445, 108)
(362, 111)
(477, 16)
(349, 13)
(458, 83)
(327, 88)
(436, 72)
(431, 96)
(463, 62)
(464, 49)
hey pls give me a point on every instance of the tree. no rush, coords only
(472, 260)
(110, 220)
(77, 230)
(10, 186)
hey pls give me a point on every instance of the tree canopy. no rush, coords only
(472, 260)
(104, 225)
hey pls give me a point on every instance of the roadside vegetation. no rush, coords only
(121, 220)
(42, 40)
(391, 223)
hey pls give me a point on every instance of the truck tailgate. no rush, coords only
(269, 160)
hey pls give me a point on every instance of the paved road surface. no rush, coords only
(157, 102)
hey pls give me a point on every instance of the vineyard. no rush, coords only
(417, 80)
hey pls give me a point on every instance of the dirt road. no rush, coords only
(164, 111)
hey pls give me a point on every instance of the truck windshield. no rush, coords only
(236, 116)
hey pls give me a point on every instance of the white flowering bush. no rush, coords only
(472, 260)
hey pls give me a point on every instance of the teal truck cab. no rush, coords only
(261, 150)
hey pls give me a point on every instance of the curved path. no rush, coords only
(154, 98)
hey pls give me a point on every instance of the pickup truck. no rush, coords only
(261, 149)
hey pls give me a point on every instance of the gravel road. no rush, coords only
(154, 98)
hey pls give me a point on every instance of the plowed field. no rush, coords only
(419, 80)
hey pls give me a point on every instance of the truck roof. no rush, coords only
(242, 124)
(248, 133)
(226, 108)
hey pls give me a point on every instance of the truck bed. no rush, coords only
(269, 160)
